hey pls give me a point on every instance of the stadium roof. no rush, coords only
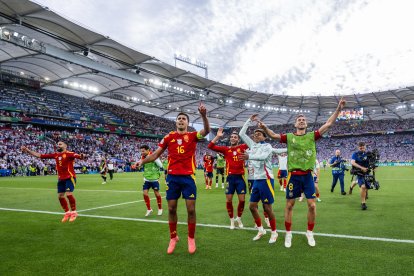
(69, 58)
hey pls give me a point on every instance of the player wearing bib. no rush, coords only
(301, 160)
(151, 175)
(66, 176)
(220, 164)
(260, 155)
(235, 174)
(103, 169)
(282, 173)
(181, 146)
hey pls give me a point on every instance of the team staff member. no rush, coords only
(66, 176)
(111, 168)
(301, 160)
(282, 173)
(181, 146)
(338, 171)
(235, 174)
(360, 161)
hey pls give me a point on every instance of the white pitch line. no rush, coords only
(215, 226)
(83, 190)
(113, 205)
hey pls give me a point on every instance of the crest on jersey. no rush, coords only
(64, 156)
(185, 138)
(60, 158)
(179, 141)
(238, 150)
(234, 152)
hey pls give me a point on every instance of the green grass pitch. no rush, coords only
(114, 240)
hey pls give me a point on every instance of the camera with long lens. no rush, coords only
(369, 176)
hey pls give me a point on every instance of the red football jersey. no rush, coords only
(208, 163)
(64, 163)
(231, 154)
(181, 152)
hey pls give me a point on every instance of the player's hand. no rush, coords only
(82, 156)
(220, 132)
(244, 156)
(262, 125)
(364, 169)
(254, 118)
(24, 149)
(202, 109)
(341, 104)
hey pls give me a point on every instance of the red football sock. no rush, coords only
(173, 229)
(191, 230)
(265, 215)
(159, 202)
(317, 195)
(311, 225)
(258, 222)
(229, 206)
(64, 204)
(273, 224)
(147, 202)
(288, 225)
(72, 202)
(240, 209)
(284, 183)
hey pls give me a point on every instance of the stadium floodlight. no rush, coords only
(65, 82)
(15, 34)
(22, 73)
(6, 32)
(47, 79)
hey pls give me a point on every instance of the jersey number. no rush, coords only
(180, 149)
(235, 158)
(60, 163)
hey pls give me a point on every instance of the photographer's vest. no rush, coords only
(301, 151)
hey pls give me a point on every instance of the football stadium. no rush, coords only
(118, 162)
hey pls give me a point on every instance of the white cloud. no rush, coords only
(295, 47)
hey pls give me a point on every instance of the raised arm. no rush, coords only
(219, 135)
(279, 151)
(203, 112)
(249, 142)
(31, 152)
(269, 132)
(150, 158)
(323, 129)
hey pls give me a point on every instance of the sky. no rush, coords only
(292, 47)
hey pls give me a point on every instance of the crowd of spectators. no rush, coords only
(70, 111)
(77, 120)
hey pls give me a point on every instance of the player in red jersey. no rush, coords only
(208, 170)
(66, 176)
(181, 146)
(235, 173)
